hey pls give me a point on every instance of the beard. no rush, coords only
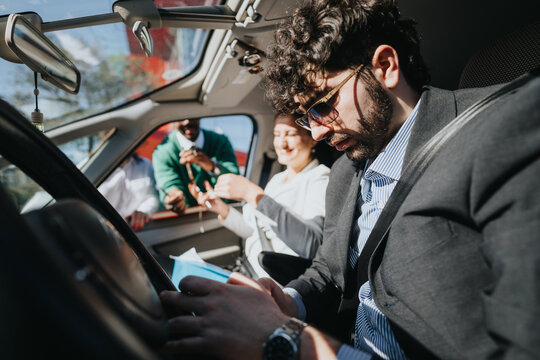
(374, 132)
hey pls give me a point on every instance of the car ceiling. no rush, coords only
(451, 31)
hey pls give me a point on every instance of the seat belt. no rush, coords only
(417, 167)
(266, 169)
(263, 240)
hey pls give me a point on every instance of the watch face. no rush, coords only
(279, 348)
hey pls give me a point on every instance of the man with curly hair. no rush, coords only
(442, 281)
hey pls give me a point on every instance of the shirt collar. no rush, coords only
(186, 144)
(390, 160)
(312, 164)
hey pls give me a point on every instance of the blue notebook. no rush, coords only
(190, 265)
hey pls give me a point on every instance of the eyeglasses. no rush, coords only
(321, 112)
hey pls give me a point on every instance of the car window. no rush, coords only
(238, 129)
(81, 149)
(232, 136)
(24, 191)
(114, 67)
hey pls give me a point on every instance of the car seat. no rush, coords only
(504, 59)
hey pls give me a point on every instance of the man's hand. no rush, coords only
(138, 219)
(232, 321)
(209, 199)
(236, 187)
(193, 156)
(175, 200)
(284, 300)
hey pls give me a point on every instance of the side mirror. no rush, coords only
(37, 52)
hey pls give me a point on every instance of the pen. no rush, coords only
(207, 203)
(191, 179)
(190, 172)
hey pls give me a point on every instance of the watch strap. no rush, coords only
(294, 327)
(284, 343)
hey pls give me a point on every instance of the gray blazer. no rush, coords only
(469, 228)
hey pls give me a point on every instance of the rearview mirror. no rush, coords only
(37, 52)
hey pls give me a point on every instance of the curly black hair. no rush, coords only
(336, 35)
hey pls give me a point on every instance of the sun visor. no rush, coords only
(237, 69)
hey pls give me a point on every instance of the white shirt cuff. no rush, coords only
(301, 308)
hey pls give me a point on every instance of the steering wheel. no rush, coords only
(80, 261)
(89, 247)
(88, 276)
(38, 157)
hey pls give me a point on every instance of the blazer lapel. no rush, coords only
(346, 223)
(437, 108)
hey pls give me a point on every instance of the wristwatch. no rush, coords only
(284, 343)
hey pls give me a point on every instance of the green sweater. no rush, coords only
(169, 173)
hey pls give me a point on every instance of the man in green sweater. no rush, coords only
(190, 155)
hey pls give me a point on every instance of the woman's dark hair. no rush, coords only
(337, 35)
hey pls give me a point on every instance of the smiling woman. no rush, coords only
(286, 217)
(115, 68)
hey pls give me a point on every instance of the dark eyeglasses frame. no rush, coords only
(305, 119)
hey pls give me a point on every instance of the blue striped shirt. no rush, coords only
(373, 334)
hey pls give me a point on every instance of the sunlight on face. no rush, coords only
(365, 110)
(293, 145)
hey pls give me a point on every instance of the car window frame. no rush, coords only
(167, 214)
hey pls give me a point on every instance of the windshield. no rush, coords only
(114, 69)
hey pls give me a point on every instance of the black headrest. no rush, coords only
(504, 59)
